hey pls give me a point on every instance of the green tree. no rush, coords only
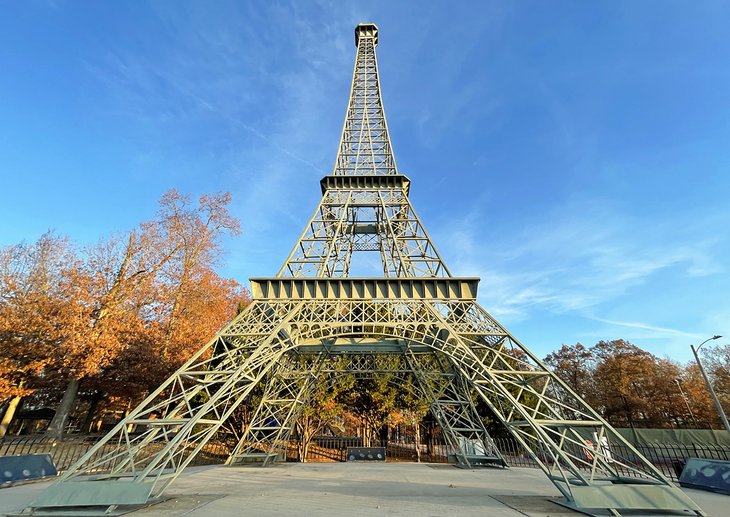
(323, 408)
(411, 408)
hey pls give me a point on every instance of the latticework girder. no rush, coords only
(374, 217)
(543, 414)
(312, 315)
(405, 365)
(453, 408)
(286, 390)
(365, 144)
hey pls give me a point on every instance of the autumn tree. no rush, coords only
(620, 376)
(666, 407)
(194, 301)
(700, 410)
(142, 288)
(717, 361)
(34, 315)
(109, 288)
(572, 363)
(628, 385)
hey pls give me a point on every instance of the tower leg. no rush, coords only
(550, 421)
(453, 408)
(287, 390)
(177, 420)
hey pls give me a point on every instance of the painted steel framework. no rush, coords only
(313, 320)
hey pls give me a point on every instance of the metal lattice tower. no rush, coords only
(313, 320)
(365, 144)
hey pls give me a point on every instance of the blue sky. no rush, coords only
(574, 155)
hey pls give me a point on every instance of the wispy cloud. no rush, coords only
(661, 331)
(238, 123)
(575, 260)
(219, 83)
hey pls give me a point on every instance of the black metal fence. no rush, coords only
(668, 458)
(334, 448)
(67, 451)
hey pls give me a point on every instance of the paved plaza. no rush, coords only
(357, 489)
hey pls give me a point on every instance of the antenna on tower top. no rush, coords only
(366, 30)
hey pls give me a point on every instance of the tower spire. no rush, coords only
(365, 143)
(365, 205)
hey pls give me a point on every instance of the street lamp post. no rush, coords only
(720, 411)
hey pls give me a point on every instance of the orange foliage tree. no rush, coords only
(630, 386)
(35, 315)
(119, 316)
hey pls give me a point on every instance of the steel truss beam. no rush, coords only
(453, 407)
(365, 143)
(542, 413)
(349, 220)
(286, 391)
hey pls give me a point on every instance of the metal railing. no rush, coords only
(334, 448)
(65, 452)
(669, 458)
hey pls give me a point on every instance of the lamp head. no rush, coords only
(708, 339)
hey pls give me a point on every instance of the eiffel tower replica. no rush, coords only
(313, 321)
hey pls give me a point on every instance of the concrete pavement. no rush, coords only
(357, 489)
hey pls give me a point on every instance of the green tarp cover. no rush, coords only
(641, 436)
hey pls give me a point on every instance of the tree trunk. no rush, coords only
(304, 449)
(366, 435)
(93, 405)
(58, 424)
(131, 428)
(305, 436)
(429, 440)
(8, 415)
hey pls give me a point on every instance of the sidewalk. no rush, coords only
(357, 489)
